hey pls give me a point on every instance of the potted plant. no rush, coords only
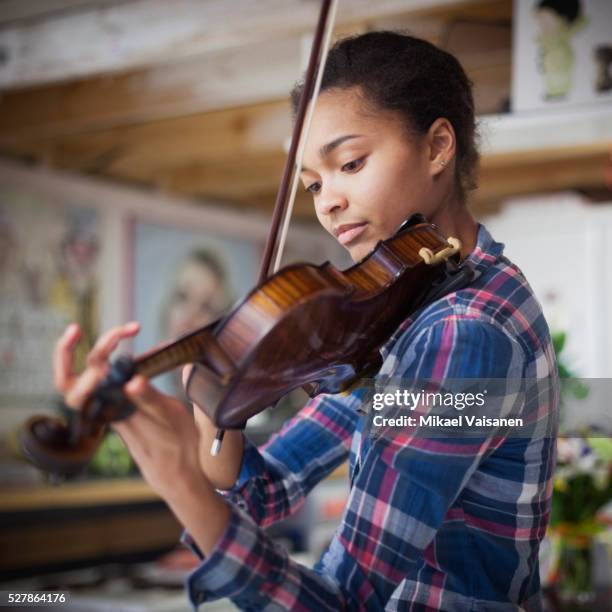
(582, 486)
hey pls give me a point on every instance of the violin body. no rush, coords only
(316, 326)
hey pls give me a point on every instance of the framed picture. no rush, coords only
(562, 54)
(184, 279)
(49, 277)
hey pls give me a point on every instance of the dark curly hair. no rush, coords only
(398, 72)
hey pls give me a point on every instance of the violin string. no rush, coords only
(303, 138)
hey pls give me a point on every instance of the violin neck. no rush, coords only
(199, 346)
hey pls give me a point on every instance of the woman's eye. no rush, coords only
(314, 188)
(353, 165)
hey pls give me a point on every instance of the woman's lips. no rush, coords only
(348, 233)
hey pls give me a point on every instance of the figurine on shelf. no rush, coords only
(558, 21)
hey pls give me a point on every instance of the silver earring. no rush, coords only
(443, 162)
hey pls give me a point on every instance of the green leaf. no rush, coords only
(558, 340)
(579, 389)
(602, 446)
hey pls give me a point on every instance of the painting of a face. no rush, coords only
(199, 297)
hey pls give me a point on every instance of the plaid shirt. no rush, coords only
(430, 524)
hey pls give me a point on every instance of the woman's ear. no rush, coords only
(442, 145)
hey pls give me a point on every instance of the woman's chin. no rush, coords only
(358, 252)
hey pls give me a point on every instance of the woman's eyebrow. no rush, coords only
(330, 146)
(326, 149)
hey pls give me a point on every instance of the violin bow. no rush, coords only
(285, 198)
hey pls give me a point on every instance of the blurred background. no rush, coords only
(141, 146)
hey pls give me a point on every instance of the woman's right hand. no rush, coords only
(76, 388)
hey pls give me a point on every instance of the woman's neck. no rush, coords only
(454, 219)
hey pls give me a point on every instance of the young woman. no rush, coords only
(430, 524)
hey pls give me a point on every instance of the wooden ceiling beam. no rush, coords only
(139, 33)
(145, 150)
(245, 75)
(502, 176)
(237, 77)
(12, 11)
(236, 179)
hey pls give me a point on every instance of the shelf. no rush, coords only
(542, 151)
(107, 492)
(70, 495)
(582, 130)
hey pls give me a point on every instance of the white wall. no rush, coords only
(562, 244)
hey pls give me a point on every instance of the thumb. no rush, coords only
(141, 392)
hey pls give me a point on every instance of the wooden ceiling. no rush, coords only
(192, 99)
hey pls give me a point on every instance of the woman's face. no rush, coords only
(198, 299)
(365, 173)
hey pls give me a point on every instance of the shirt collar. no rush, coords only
(486, 253)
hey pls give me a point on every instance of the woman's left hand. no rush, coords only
(161, 436)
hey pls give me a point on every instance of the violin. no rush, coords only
(308, 326)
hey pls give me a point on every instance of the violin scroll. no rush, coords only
(66, 448)
(50, 443)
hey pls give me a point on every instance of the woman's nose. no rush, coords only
(331, 203)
